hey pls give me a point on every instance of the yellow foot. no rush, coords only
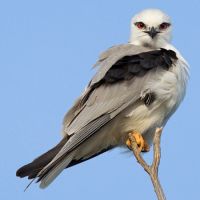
(142, 144)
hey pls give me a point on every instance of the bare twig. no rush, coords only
(152, 170)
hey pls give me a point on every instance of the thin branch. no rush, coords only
(152, 170)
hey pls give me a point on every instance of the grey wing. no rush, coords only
(103, 105)
(103, 96)
(108, 58)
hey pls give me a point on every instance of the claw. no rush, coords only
(142, 144)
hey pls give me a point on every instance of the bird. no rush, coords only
(137, 87)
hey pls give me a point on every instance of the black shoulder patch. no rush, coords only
(139, 64)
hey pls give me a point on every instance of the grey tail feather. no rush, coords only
(32, 169)
(53, 172)
(54, 168)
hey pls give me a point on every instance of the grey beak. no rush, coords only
(152, 32)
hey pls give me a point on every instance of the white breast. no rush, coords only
(170, 87)
(175, 81)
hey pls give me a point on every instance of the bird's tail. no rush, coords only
(32, 169)
(53, 169)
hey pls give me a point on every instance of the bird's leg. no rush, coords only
(142, 144)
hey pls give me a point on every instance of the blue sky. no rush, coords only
(47, 50)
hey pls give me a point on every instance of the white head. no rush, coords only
(152, 28)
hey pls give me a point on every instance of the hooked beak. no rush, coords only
(152, 32)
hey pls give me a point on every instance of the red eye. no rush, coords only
(140, 25)
(164, 26)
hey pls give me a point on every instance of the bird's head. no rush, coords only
(151, 28)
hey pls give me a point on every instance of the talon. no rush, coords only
(142, 144)
(128, 143)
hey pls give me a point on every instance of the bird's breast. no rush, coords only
(169, 88)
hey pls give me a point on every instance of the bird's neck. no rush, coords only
(153, 44)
